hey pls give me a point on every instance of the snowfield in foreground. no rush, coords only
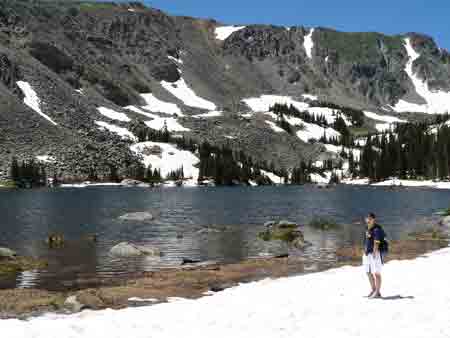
(329, 304)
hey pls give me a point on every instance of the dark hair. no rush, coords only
(372, 215)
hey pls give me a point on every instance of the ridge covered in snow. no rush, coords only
(32, 100)
(437, 101)
(320, 305)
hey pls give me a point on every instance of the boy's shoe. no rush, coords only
(375, 295)
(370, 294)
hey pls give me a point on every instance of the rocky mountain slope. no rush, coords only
(74, 75)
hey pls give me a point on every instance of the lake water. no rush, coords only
(28, 216)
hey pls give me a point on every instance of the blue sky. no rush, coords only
(388, 16)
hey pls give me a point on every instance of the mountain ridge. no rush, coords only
(80, 56)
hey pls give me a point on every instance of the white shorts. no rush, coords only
(372, 263)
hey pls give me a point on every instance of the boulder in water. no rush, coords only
(137, 216)
(7, 253)
(126, 249)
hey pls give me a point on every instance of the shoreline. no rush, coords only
(190, 281)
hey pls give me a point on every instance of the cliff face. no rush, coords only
(79, 56)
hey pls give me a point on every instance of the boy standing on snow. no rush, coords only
(372, 259)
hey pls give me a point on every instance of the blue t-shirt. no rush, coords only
(371, 235)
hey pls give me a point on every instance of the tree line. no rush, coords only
(411, 151)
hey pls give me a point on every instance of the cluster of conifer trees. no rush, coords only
(28, 174)
(412, 150)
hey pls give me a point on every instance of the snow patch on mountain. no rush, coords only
(329, 114)
(338, 149)
(437, 101)
(309, 43)
(310, 97)
(222, 33)
(170, 158)
(32, 100)
(46, 159)
(113, 115)
(274, 127)
(383, 118)
(141, 112)
(171, 123)
(156, 105)
(123, 132)
(264, 102)
(315, 132)
(208, 115)
(184, 93)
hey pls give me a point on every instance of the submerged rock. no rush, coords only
(126, 249)
(7, 253)
(137, 216)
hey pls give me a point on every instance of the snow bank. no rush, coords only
(309, 43)
(264, 102)
(172, 124)
(113, 115)
(182, 91)
(156, 105)
(222, 33)
(274, 127)
(32, 100)
(207, 115)
(123, 132)
(401, 183)
(170, 159)
(437, 102)
(274, 178)
(320, 305)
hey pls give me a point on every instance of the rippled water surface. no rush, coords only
(181, 214)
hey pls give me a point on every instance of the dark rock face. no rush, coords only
(115, 52)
